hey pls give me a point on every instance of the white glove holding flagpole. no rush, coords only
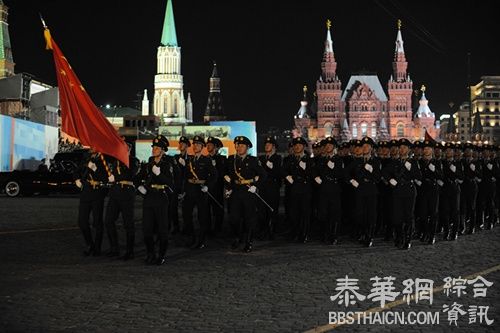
(252, 189)
(142, 190)
(408, 165)
(111, 179)
(91, 165)
(331, 164)
(78, 183)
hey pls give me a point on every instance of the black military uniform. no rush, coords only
(384, 205)
(487, 187)
(429, 187)
(364, 174)
(121, 200)
(158, 181)
(216, 211)
(243, 177)
(286, 159)
(329, 175)
(298, 172)
(450, 195)
(180, 160)
(93, 177)
(270, 191)
(401, 175)
(200, 178)
(472, 174)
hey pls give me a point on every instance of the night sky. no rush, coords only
(265, 51)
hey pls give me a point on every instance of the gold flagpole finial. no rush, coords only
(399, 24)
(304, 89)
(422, 89)
(328, 24)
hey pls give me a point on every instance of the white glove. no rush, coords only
(354, 183)
(460, 181)
(318, 180)
(78, 183)
(440, 182)
(493, 179)
(156, 170)
(142, 189)
(204, 189)
(252, 189)
(331, 164)
(408, 165)
(111, 179)
(432, 167)
(453, 168)
(478, 179)
(227, 193)
(181, 196)
(227, 178)
(418, 182)
(290, 179)
(393, 182)
(368, 167)
(182, 161)
(489, 166)
(91, 165)
(302, 164)
(473, 167)
(269, 164)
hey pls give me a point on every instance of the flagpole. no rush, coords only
(43, 22)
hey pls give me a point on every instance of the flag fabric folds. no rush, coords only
(81, 118)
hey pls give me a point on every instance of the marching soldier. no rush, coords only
(384, 223)
(487, 187)
(270, 190)
(401, 175)
(180, 160)
(298, 172)
(219, 162)
(158, 177)
(287, 185)
(472, 175)
(429, 188)
(200, 179)
(329, 177)
(91, 179)
(450, 195)
(243, 177)
(363, 174)
(121, 200)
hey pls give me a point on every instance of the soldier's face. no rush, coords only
(182, 146)
(418, 151)
(403, 150)
(385, 151)
(367, 149)
(210, 147)
(241, 149)
(157, 151)
(449, 153)
(358, 150)
(468, 153)
(438, 152)
(428, 152)
(394, 151)
(197, 147)
(329, 148)
(298, 148)
(268, 148)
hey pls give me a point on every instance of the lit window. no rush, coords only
(354, 130)
(374, 130)
(364, 129)
(400, 130)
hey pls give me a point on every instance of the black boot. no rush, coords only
(89, 249)
(162, 251)
(129, 254)
(114, 249)
(235, 244)
(248, 245)
(150, 247)
(97, 244)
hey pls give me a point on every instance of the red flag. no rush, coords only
(428, 137)
(80, 116)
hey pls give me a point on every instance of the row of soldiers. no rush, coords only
(396, 187)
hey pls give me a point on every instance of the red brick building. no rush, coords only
(364, 108)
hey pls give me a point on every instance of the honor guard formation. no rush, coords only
(399, 190)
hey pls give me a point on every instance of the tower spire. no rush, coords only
(328, 66)
(214, 110)
(399, 64)
(169, 36)
(6, 60)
